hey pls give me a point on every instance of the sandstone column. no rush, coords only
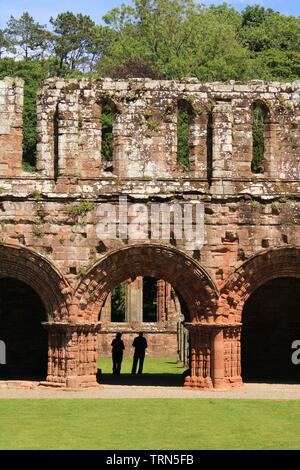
(161, 300)
(222, 140)
(134, 301)
(232, 355)
(72, 354)
(200, 356)
(218, 358)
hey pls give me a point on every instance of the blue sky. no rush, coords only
(42, 10)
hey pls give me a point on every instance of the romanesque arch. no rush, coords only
(33, 294)
(194, 285)
(262, 296)
(26, 265)
(185, 274)
(259, 269)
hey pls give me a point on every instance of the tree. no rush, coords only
(98, 42)
(177, 37)
(73, 40)
(29, 38)
(5, 44)
(254, 16)
(136, 68)
(274, 42)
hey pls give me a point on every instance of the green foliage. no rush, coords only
(80, 209)
(258, 132)
(36, 195)
(177, 37)
(5, 43)
(118, 303)
(183, 138)
(255, 205)
(27, 38)
(82, 271)
(273, 40)
(107, 117)
(73, 37)
(33, 72)
(27, 167)
(38, 231)
(153, 125)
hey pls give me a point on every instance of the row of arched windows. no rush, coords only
(260, 123)
(185, 117)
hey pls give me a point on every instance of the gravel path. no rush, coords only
(249, 391)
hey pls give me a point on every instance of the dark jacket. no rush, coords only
(140, 344)
(117, 346)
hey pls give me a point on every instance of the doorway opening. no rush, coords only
(26, 341)
(271, 323)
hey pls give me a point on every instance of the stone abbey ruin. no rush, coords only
(238, 296)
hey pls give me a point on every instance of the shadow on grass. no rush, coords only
(144, 380)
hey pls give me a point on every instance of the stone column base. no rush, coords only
(199, 383)
(234, 382)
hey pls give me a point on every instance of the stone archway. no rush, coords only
(26, 265)
(168, 263)
(259, 269)
(257, 272)
(186, 275)
(45, 283)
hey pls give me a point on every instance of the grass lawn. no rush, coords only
(156, 372)
(151, 366)
(149, 424)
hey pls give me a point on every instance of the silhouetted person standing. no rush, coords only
(117, 353)
(140, 345)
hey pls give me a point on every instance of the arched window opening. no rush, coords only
(108, 112)
(260, 115)
(149, 299)
(56, 142)
(184, 116)
(209, 146)
(30, 135)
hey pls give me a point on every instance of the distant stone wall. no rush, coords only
(160, 343)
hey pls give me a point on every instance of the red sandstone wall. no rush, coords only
(160, 344)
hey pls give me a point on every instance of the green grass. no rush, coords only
(149, 424)
(151, 366)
